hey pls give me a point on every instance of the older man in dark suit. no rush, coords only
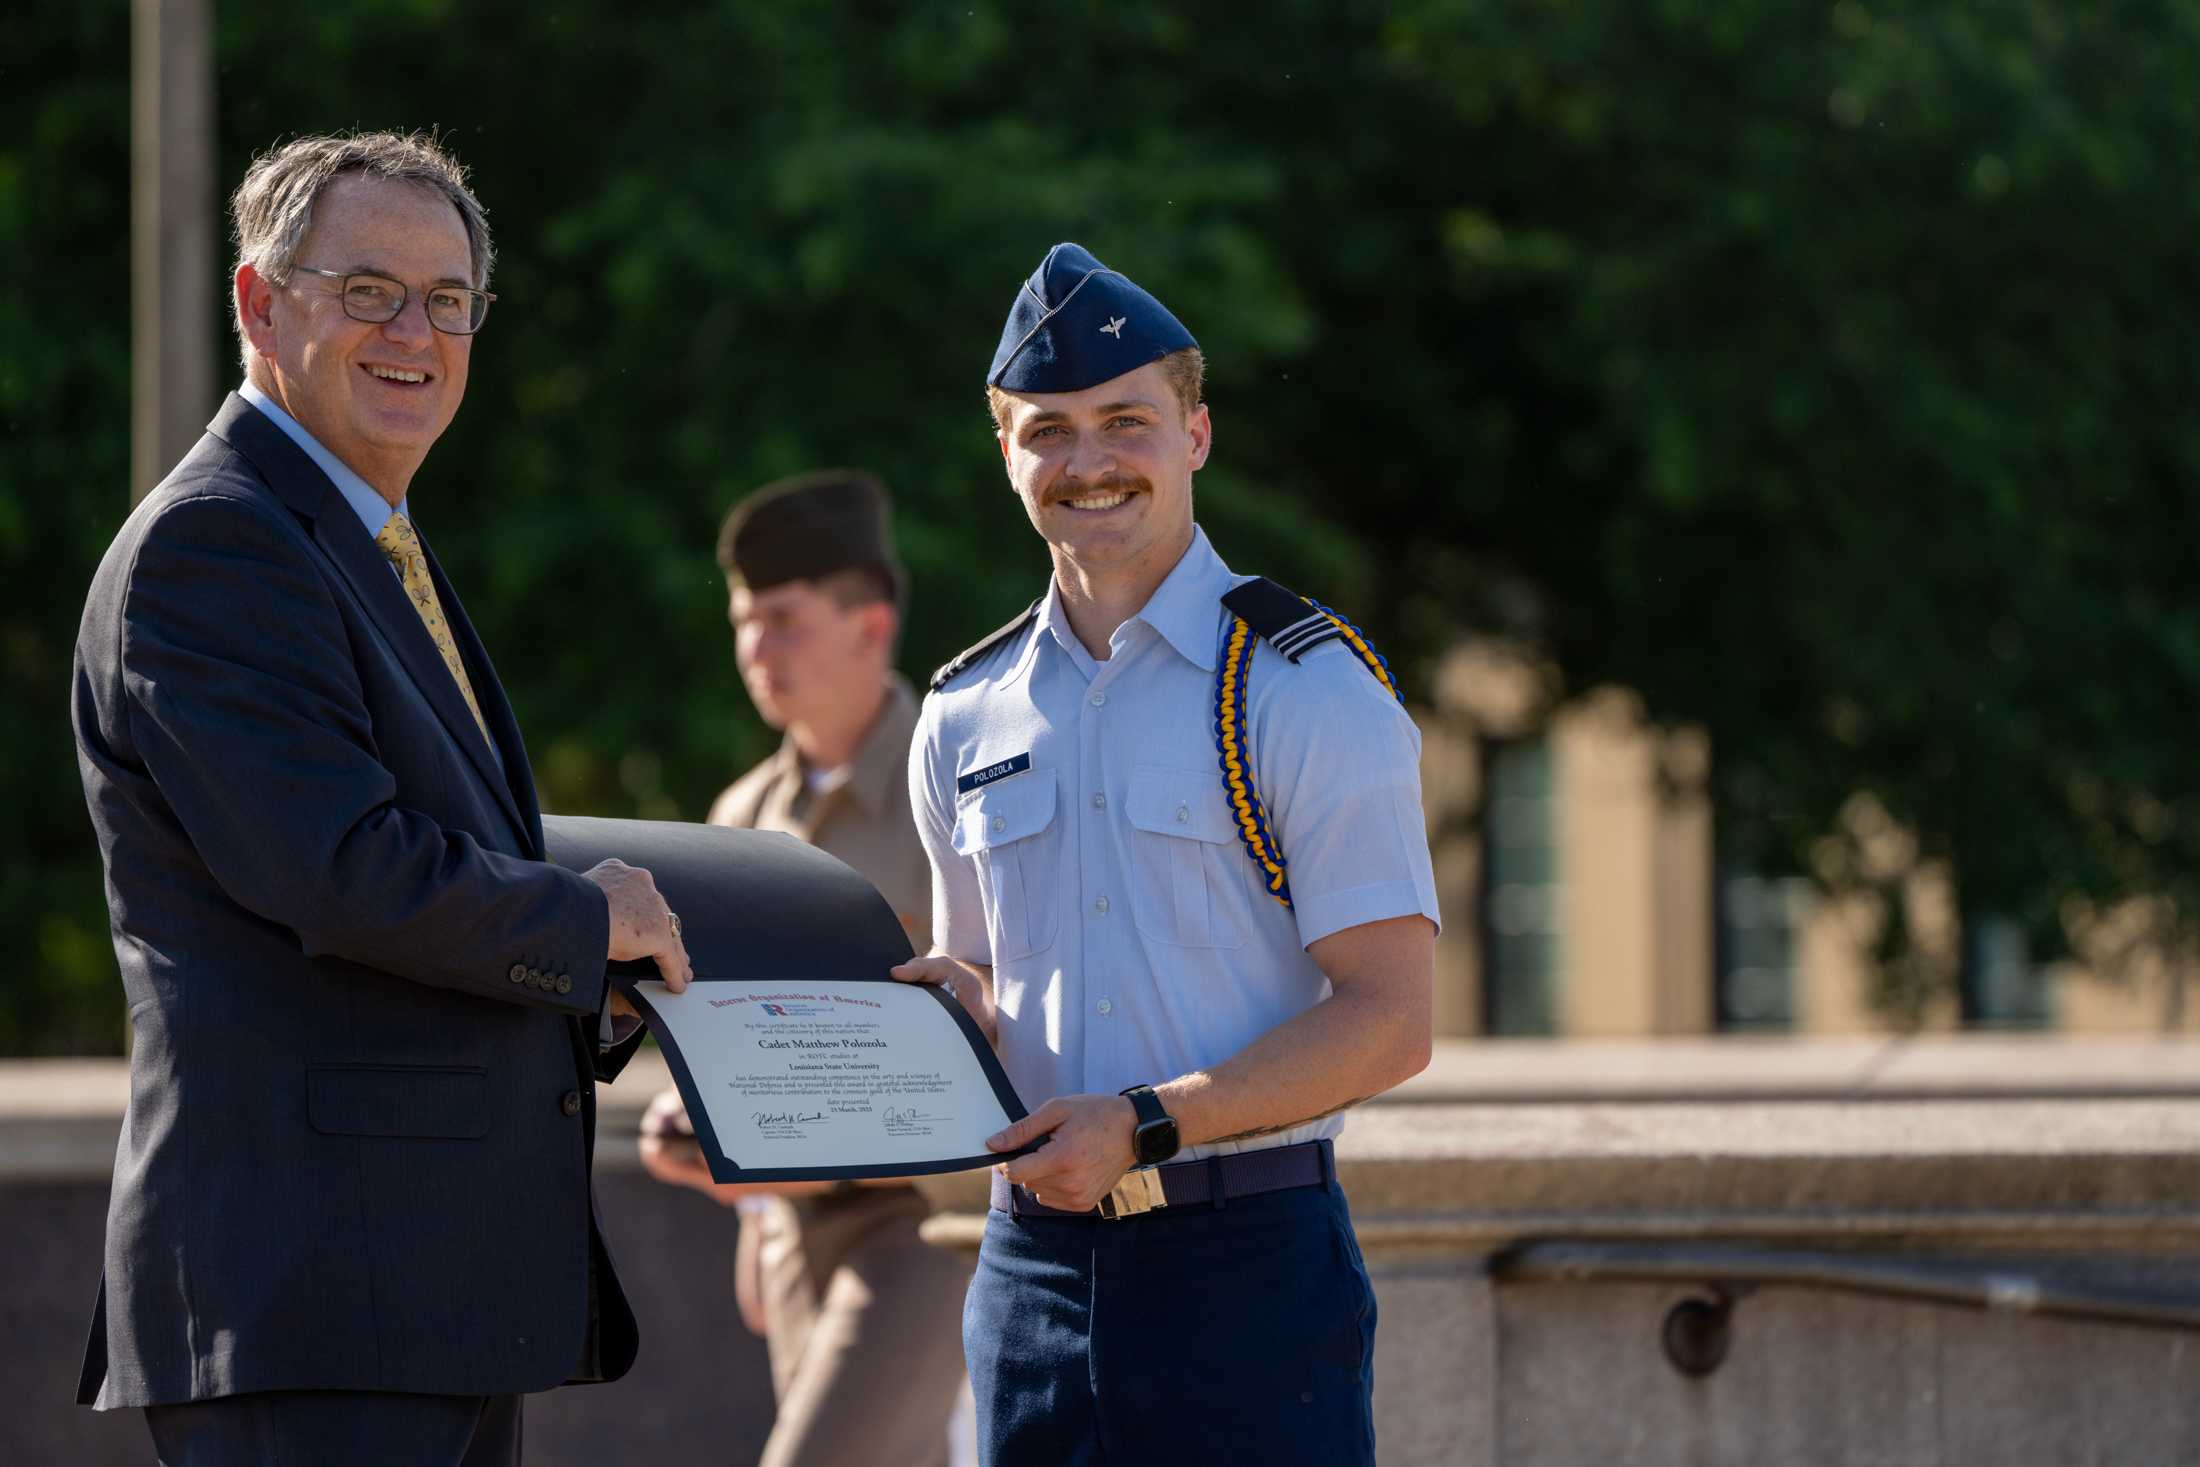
(352, 1217)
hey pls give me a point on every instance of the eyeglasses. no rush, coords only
(452, 309)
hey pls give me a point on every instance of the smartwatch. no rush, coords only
(1154, 1140)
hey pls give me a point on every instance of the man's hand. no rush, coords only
(1087, 1151)
(670, 1152)
(966, 984)
(641, 923)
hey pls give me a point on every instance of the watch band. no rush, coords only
(1146, 1104)
(1154, 1136)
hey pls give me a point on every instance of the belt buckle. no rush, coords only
(1139, 1191)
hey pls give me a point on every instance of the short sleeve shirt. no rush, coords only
(861, 815)
(1080, 843)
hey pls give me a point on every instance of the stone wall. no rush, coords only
(2031, 1175)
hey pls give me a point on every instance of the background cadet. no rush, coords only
(861, 1316)
(1184, 974)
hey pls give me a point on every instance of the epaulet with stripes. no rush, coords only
(961, 661)
(1282, 618)
(1294, 625)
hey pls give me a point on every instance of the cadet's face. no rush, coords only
(1106, 473)
(798, 649)
(376, 396)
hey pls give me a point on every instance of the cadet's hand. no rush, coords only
(670, 1152)
(1087, 1151)
(642, 925)
(963, 983)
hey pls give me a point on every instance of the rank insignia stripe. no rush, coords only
(978, 779)
(970, 656)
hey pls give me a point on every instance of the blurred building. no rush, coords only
(1589, 889)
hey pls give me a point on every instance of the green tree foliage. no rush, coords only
(1838, 402)
(64, 470)
(1815, 371)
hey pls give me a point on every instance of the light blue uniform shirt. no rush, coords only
(1129, 935)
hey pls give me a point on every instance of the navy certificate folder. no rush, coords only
(753, 903)
(760, 907)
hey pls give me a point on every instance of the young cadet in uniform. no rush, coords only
(860, 1314)
(1180, 875)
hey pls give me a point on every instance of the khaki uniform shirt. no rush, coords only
(864, 1318)
(864, 819)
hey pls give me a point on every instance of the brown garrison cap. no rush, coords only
(809, 526)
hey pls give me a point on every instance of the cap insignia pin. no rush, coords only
(1114, 327)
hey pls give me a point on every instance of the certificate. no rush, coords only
(797, 1056)
(805, 1079)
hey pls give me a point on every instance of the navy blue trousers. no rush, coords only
(338, 1429)
(1201, 1335)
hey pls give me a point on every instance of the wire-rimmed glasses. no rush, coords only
(374, 299)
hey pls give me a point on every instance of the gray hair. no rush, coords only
(272, 209)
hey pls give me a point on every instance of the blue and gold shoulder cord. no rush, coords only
(1260, 611)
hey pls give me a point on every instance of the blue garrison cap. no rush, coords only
(1076, 324)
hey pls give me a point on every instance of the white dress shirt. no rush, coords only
(365, 501)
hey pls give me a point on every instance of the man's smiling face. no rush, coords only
(376, 396)
(1106, 473)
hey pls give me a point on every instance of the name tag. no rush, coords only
(978, 779)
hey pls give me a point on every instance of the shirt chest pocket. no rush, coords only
(1186, 885)
(1009, 831)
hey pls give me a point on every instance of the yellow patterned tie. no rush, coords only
(401, 544)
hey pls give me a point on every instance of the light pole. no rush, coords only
(172, 214)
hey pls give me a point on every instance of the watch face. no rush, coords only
(1155, 1141)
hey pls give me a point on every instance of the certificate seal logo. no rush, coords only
(780, 1005)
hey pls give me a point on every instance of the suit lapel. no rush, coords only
(516, 781)
(299, 482)
(363, 564)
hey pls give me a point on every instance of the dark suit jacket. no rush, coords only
(362, 1107)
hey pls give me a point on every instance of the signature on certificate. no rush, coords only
(784, 1117)
(894, 1117)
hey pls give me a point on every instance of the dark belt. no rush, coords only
(1190, 1183)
